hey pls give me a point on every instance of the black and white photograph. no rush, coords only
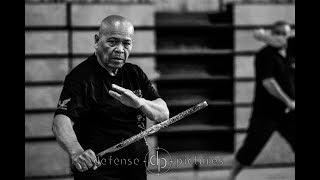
(159, 90)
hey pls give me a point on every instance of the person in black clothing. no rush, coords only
(274, 95)
(278, 41)
(105, 100)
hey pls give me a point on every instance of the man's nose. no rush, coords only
(119, 48)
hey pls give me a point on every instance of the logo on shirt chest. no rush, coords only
(137, 93)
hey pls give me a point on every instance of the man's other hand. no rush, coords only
(126, 96)
(292, 105)
(259, 33)
(85, 160)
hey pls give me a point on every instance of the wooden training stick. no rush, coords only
(154, 128)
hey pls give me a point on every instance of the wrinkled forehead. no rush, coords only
(117, 29)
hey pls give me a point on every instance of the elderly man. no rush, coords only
(104, 101)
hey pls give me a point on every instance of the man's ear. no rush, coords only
(96, 40)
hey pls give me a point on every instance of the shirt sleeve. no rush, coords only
(71, 101)
(148, 91)
(265, 66)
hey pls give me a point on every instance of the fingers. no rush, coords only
(85, 157)
(258, 33)
(83, 162)
(287, 110)
(125, 96)
(115, 95)
(119, 89)
(93, 158)
(86, 160)
(78, 166)
(77, 163)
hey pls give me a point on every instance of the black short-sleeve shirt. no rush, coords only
(100, 121)
(270, 64)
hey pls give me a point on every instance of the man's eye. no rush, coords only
(112, 41)
(126, 43)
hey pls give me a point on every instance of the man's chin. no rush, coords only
(117, 64)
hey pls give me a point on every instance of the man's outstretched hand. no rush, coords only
(259, 33)
(126, 96)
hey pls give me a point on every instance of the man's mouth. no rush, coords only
(117, 58)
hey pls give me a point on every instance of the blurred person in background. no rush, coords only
(105, 100)
(278, 41)
(274, 101)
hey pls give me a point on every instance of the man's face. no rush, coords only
(283, 31)
(114, 45)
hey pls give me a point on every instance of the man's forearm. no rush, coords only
(155, 110)
(275, 41)
(65, 135)
(274, 89)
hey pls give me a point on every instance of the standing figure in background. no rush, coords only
(279, 41)
(274, 100)
(105, 100)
